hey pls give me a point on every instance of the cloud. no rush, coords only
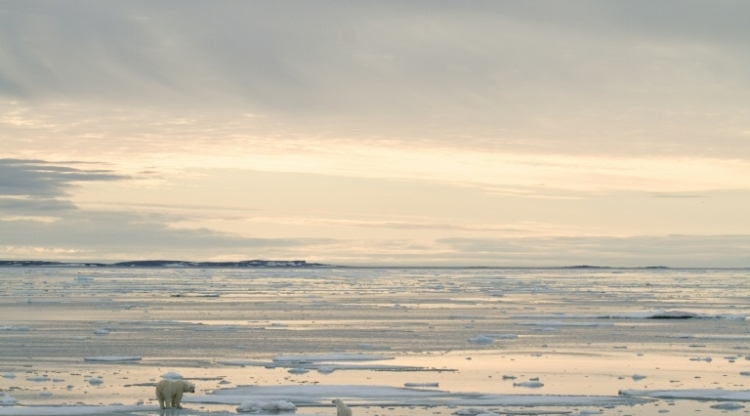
(41, 179)
(123, 235)
(639, 251)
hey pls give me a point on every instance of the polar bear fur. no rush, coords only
(341, 408)
(169, 392)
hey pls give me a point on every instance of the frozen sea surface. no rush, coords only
(77, 341)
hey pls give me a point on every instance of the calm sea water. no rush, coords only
(579, 331)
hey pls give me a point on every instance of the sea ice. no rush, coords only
(421, 384)
(692, 394)
(7, 401)
(298, 370)
(21, 328)
(112, 359)
(535, 384)
(728, 406)
(271, 406)
(481, 339)
(330, 357)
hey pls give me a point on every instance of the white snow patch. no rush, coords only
(171, 375)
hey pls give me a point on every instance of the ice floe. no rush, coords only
(533, 384)
(113, 359)
(8, 328)
(73, 410)
(274, 406)
(328, 358)
(7, 401)
(421, 384)
(693, 394)
(360, 395)
(727, 406)
(656, 314)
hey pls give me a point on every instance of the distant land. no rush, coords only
(275, 263)
(165, 264)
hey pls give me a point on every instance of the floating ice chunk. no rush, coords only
(112, 359)
(331, 357)
(421, 384)
(272, 406)
(7, 401)
(9, 328)
(535, 384)
(503, 336)
(481, 339)
(637, 377)
(171, 375)
(326, 369)
(692, 394)
(95, 381)
(101, 332)
(473, 411)
(561, 323)
(298, 371)
(728, 406)
(373, 347)
(215, 328)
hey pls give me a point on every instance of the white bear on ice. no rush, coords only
(169, 392)
(341, 408)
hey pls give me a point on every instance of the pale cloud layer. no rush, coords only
(438, 132)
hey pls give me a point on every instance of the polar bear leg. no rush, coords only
(176, 399)
(160, 397)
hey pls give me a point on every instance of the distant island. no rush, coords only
(165, 264)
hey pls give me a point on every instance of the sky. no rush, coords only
(415, 133)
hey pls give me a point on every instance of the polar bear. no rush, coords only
(169, 392)
(341, 408)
